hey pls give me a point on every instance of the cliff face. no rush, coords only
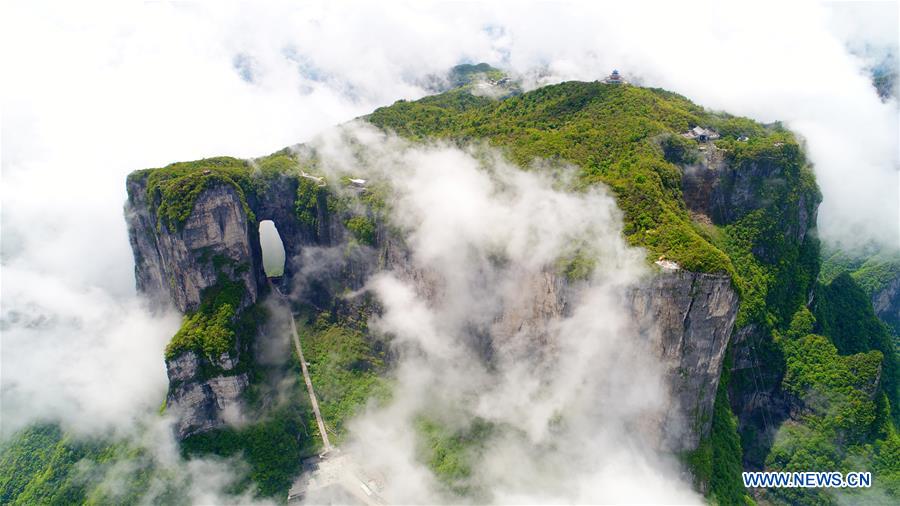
(686, 316)
(886, 302)
(201, 402)
(217, 239)
(766, 198)
(723, 191)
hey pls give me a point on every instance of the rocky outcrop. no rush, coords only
(217, 239)
(203, 402)
(776, 186)
(688, 318)
(723, 192)
(755, 392)
(176, 267)
(886, 302)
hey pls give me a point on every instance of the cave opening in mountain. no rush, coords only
(272, 249)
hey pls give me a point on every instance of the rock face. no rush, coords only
(722, 193)
(723, 190)
(887, 303)
(217, 238)
(203, 403)
(688, 317)
(523, 322)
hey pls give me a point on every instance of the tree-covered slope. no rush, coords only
(626, 137)
(876, 270)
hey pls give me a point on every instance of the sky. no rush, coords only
(91, 92)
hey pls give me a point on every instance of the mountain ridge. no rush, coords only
(736, 215)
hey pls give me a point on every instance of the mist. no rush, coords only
(486, 335)
(92, 92)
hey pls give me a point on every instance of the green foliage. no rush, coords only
(43, 465)
(449, 453)
(611, 132)
(717, 459)
(844, 313)
(211, 329)
(344, 368)
(629, 139)
(877, 272)
(775, 269)
(679, 150)
(275, 438)
(801, 448)
(362, 228)
(465, 74)
(210, 334)
(172, 190)
(273, 447)
(725, 484)
(309, 193)
(753, 278)
(872, 268)
(841, 413)
(836, 261)
(699, 462)
(885, 460)
(813, 364)
(577, 266)
(802, 323)
(734, 127)
(275, 164)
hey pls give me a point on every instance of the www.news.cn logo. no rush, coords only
(808, 479)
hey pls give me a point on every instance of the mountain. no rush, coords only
(762, 369)
(875, 271)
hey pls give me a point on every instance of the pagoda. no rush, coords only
(614, 78)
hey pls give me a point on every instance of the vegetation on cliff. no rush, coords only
(838, 368)
(617, 135)
(345, 368)
(629, 138)
(840, 416)
(450, 452)
(211, 330)
(467, 74)
(873, 269)
(173, 190)
(273, 446)
(716, 463)
(276, 433)
(844, 312)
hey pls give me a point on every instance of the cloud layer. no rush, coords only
(92, 92)
(487, 332)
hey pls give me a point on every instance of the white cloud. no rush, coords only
(483, 331)
(91, 92)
